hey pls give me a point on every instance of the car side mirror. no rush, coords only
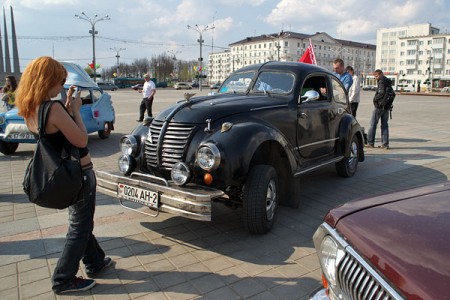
(310, 95)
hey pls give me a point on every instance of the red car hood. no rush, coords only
(405, 235)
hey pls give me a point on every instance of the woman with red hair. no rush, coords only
(41, 81)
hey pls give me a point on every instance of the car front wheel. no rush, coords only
(8, 148)
(106, 132)
(347, 167)
(260, 199)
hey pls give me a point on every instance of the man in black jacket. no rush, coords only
(380, 111)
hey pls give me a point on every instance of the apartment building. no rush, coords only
(414, 55)
(290, 46)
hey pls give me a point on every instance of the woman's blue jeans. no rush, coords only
(80, 244)
(383, 115)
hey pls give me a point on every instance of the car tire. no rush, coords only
(347, 166)
(8, 148)
(106, 132)
(260, 199)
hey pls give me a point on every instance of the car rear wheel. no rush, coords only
(347, 167)
(106, 132)
(260, 199)
(8, 148)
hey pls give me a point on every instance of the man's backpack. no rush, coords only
(390, 98)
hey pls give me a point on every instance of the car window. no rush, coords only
(281, 83)
(317, 83)
(237, 83)
(338, 92)
(96, 94)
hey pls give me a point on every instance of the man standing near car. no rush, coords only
(354, 91)
(148, 91)
(380, 112)
(342, 74)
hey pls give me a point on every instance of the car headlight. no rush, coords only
(329, 256)
(126, 164)
(180, 173)
(129, 145)
(208, 157)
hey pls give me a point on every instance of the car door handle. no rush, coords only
(340, 110)
(303, 115)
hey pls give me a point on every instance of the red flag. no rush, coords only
(309, 57)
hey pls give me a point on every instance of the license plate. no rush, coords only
(138, 195)
(21, 136)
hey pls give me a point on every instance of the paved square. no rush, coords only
(174, 258)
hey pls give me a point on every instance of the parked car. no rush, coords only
(137, 87)
(406, 88)
(215, 86)
(182, 86)
(97, 112)
(369, 88)
(195, 84)
(161, 84)
(243, 147)
(393, 246)
(107, 86)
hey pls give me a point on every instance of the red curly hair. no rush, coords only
(39, 77)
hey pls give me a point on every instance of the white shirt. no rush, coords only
(354, 91)
(148, 89)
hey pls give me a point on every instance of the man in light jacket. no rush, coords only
(354, 91)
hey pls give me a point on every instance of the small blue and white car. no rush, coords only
(97, 112)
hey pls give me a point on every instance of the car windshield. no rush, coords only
(274, 82)
(267, 82)
(237, 83)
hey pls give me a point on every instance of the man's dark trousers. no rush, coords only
(146, 104)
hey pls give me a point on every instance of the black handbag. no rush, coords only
(52, 180)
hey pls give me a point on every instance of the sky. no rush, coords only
(148, 28)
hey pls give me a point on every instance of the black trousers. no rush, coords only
(146, 104)
(354, 107)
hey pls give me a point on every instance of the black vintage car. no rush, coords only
(245, 146)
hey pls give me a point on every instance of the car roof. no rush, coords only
(77, 76)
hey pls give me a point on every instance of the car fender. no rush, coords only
(103, 110)
(347, 128)
(239, 144)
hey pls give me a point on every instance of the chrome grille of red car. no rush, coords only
(357, 283)
(175, 137)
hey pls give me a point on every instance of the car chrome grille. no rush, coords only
(174, 143)
(357, 283)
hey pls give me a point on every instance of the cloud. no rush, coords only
(354, 19)
(45, 4)
(238, 3)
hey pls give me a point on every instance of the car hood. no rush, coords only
(77, 76)
(405, 236)
(12, 115)
(197, 110)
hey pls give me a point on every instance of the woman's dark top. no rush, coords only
(57, 140)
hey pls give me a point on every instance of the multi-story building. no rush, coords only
(290, 46)
(414, 55)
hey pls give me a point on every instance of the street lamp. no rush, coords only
(93, 21)
(277, 45)
(117, 56)
(200, 40)
(174, 57)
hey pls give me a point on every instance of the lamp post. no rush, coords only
(277, 37)
(174, 57)
(117, 56)
(200, 40)
(92, 21)
(430, 73)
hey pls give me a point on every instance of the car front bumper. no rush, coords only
(191, 201)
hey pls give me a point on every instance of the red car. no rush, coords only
(393, 246)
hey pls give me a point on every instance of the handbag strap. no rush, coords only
(43, 116)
